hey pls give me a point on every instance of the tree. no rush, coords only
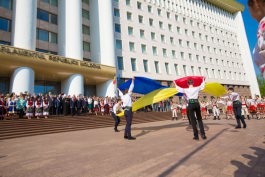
(261, 82)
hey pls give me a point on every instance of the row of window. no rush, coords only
(165, 52)
(209, 73)
(177, 19)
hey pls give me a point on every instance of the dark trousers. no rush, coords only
(51, 110)
(117, 120)
(237, 107)
(194, 108)
(78, 111)
(188, 115)
(128, 116)
(20, 113)
(58, 111)
(72, 111)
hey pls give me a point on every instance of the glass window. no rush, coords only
(7, 4)
(185, 70)
(116, 12)
(129, 16)
(85, 14)
(151, 22)
(143, 47)
(128, 2)
(142, 33)
(157, 66)
(161, 25)
(154, 50)
(153, 36)
(165, 52)
(139, 5)
(86, 30)
(145, 62)
(162, 38)
(130, 30)
(168, 15)
(141, 19)
(167, 68)
(5, 42)
(133, 64)
(118, 44)
(53, 19)
(182, 55)
(54, 3)
(192, 70)
(53, 38)
(173, 53)
(86, 1)
(47, 86)
(117, 28)
(120, 63)
(150, 9)
(42, 35)
(86, 46)
(131, 45)
(5, 24)
(159, 12)
(43, 15)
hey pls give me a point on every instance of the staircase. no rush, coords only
(24, 127)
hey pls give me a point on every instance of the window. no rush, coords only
(180, 42)
(153, 36)
(116, 12)
(176, 69)
(167, 68)
(141, 19)
(173, 53)
(159, 12)
(133, 64)
(169, 27)
(143, 47)
(86, 46)
(142, 33)
(157, 67)
(5, 24)
(86, 1)
(154, 50)
(7, 4)
(150, 10)
(131, 45)
(207, 72)
(130, 31)
(188, 44)
(129, 16)
(120, 63)
(176, 17)
(51, 2)
(164, 52)
(53, 37)
(168, 15)
(178, 30)
(172, 40)
(46, 51)
(43, 35)
(118, 44)
(86, 30)
(162, 38)
(139, 5)
(190, 56)
(5, 42)
(46, 16)
(117, 28)
(161, 24)
(192, 70)
(85, 14)
(200, 71)
(128, 2)
(145, 62)
(151, 22)
(185, 70)
(182, 55)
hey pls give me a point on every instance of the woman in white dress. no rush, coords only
(257, 11)
(45, 107)
(38, 106)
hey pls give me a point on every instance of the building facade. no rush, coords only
(159, 39)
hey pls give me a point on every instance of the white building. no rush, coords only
(159, 39)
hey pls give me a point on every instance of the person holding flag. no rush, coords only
(127, 104)
(191, 93)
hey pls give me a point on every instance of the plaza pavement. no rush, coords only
(162, 148)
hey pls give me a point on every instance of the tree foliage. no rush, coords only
(261, 82)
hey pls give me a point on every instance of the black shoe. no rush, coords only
(237, 127)
(196, 138)
(219, 118)
(116, 130)
(245, 126)
(131, 138)
(125, 137)
(204, 137)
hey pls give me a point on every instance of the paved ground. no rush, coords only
(162, 149)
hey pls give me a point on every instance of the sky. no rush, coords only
(251, 26)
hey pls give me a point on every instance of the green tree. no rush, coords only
(261, 82)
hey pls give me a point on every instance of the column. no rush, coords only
(23, 36)
(246, 55)
(73, 85)
(70, 41)
(102, 40)
(22, 80)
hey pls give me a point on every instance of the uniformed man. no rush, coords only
(127, 104)
(191, 95)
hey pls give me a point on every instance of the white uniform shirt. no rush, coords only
(192, 92)
(233, 96)
(116, 108)
(127, 98)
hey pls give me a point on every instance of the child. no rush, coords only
(174, 108)
(29, 106)
(45, 108)
(203, 110)
(38, 105)
(229, 109)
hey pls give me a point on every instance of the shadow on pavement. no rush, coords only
(188, 156)
(255, 166)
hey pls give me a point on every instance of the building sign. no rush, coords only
(46, 57)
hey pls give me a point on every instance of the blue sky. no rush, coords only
(251, 26)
